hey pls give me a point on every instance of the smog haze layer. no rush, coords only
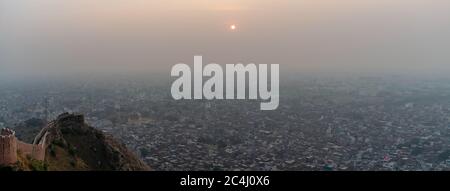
(103, 37)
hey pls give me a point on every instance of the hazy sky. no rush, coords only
(375, 36)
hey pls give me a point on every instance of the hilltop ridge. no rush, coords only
(71, 144)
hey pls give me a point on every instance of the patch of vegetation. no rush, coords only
(59, 142)
(72, 150)
(52, 150)
(36, 165)
(63, 160)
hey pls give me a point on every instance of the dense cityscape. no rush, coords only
(356, 123)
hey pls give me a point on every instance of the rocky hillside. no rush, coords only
(74, 145)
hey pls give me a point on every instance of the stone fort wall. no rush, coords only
(34, 151)
(9, 146)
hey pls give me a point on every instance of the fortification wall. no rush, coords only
(38, 152)
(34, 151)
(8, 147)
(24, 148)
(39, 148)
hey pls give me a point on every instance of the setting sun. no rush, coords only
(233, 27)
